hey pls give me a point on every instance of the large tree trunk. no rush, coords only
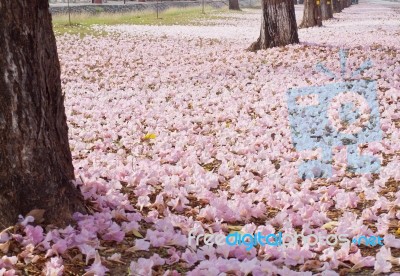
(278, 26)
(234, 5)
(326, 9)
(312, 14)
(35, 160)
(337, 7)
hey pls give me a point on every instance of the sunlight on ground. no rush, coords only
(82, 23)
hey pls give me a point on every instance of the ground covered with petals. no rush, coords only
(178, 128)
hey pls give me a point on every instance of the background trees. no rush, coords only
(337, 7)
(278, 25)
(35, 160)
(234, 5)
(326, 9)
(317, 10)
(312, 14)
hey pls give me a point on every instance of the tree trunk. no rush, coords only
(337, 7)
(326, 9)
(312, 14)
(278, 26)
(234, 5)
(343, 4)
(35, 160)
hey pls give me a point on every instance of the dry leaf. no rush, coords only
(120, 217)
(37, 214)
(131, 249)
(35, 259)
(235, 228)
(4, 247)
(7, 229)
(310, 265)
(77, 258)
(109, 250)
(330, 225)
(137, 234)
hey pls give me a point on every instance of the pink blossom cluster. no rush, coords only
(191, 132)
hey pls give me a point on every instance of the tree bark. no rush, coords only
(35, 159)
(234, 5)
(326, 9)
(343, 4)
(278, 26)
(312, 14)
(337, 7)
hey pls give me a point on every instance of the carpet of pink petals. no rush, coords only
(179, 128)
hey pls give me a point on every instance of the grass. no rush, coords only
(82, 23)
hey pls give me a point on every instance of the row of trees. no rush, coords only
(279, 27)
(317, 10)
